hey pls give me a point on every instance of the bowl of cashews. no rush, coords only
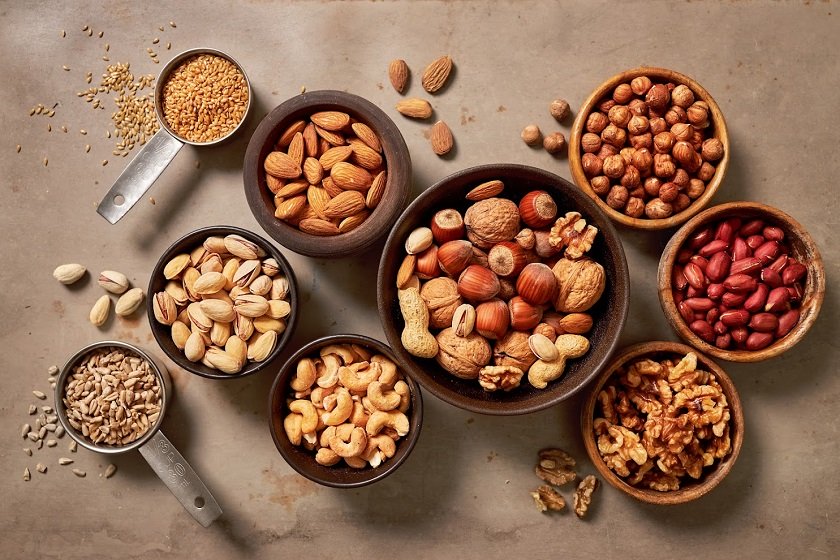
(342, 413)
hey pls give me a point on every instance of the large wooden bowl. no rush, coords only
(718, 130)
(689, 489)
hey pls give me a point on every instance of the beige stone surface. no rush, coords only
(774, 70)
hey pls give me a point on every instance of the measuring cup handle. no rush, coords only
(139, 175)
(181, 480)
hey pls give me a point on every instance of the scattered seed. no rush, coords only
(197, 164)
(85, 28)
(39, 108)
(172, 24)
(80, 473)
(46, 162)
(50, 113)
(63, 33)
(59, 432)
(39, 444)
(83, 132)
(32, 111)
(63, 128)
(41, 468)
(89, 79)
(64, 461)
(49, 128)
(303, 89)
(156, 61)
(101, 34)
(104, 162)
(106, 59)
(107, 47)
(26, 475)
(110, 470)
(24, 430)
(107, 134)
(33, 436)
(90, 32)
(168, 46)
(52, 385)
(152, 200)
(51, 443)
(28, 451)
(155, 41)
(33, 409)
(52, 370)
(72, 446)
(50, 427)
(66, 68)
(160, 27)
(42, 433)
(37, 393)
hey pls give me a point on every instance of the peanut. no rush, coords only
(416, 338)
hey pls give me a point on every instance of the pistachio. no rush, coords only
(543, 348)
(164, 308)
(198, 318)
(69, 273)
(261, 285)
(270, 267)
(221, 360)
(463, 321)
(237, 348)
(194, 347)
(213, 263)
(251, 305)
(209, 283)
(229, 271)
(262, 346)
(188, 282)
(279, 287)
(198, 255)
(215, 244)
(419, 240)
(177, 291)
(278, 308)
(180, 334)
(266, 324)
(243, 248)
(247, 273)
(220, 333)
(176, 266)
(129, 302)
(243, 327)
(100, 310)
(217, 310)
(114, 282)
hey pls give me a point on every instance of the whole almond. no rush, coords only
(367, 135)
(376, 190)
(436, 74)
(296, 149)
(441, 138)
(69, 273)
(330, 120)
(100, 310)
(286, 138)
(352, 222)
(344, 205)
(398, 74)
(415, 108)
(318, 198)
(335, 155)
(406, 271)
(485, 190)
(130, 301)
(317, 226)
(350, 177)
(365, 156)
(333, 138)
(330, 186)
(291, 189)
(313, 171)
(576, 323)
(290, 207)
(273, 183)
(281, 165)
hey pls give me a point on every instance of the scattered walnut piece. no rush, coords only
(556, 466)
(493, 378)
(547, 498)
(583, 495)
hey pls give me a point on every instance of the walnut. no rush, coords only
(583, 495)
(462, 356)
(660, 482)
(556, 467)
(491, 221)
(506, 378)
(513, 350)
(442, 299)
(572, 232)
(580, 284)
(547, 498)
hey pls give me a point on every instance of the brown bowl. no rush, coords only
(609, 312)
(802, 247)
(162, 333)
(658, 75)
(690, 489)
(303, 461)
(261, 200)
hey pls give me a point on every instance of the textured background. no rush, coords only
(772, 68)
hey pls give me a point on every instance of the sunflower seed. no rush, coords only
(39, 444)
(72, 446)
(64, 461)
(26, 475)
(63, 33)
(51, 443)
(59, 432)
(50, 427)
(18, 148)
(41, 468)
(110, 470)
(28, 451)
(66, 69)
(87, 148)
(80, 473)
(32, 409)
(172, 24)
(33, 436)
(24, 430)
(39, 394)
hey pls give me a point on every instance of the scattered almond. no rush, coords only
(436, 74)
(398, 74)
(441, 138)
(415, 108)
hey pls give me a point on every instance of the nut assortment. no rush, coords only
(348, 404)
(659, 424)
(226, 302)
(500, 293)
(327, 173)
(649, 149)
(736, 286)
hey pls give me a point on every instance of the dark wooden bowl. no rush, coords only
(690, 489)
(658, 75)
(303, 461)
(162, 333)
(802, 247)
(609, 313)
(397, 158)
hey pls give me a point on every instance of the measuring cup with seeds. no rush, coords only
(201, 98)
(111, 398)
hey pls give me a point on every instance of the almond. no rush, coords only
(313, 170)
(398, 74)
(352, 222)
(273, 183)
(415, 108)
(330, 186)
(331, 120)
(282, 166)
(310, 140)
(334, 155)
(333, 138)
(441, 138)
(317, 226)
(286, 138)
(318, 200)
(376, 190)
(344, 205)
(367, 135)
(365, 156)
(436, 74)
(292, 189)
(290, 208)
(295, 150)
(348, 176)
(485, 190)
(406, 270)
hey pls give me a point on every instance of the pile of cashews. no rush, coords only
(349, 404)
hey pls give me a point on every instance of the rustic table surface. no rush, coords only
(464, 491)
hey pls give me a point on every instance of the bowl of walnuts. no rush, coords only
(502, 289)
(650, 146)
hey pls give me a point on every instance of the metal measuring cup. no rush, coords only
(168, 464)
(158, 152)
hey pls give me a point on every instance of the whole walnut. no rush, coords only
(580, 284)
(513, 350)
(462, 356)
(491, 221)
(442, 298)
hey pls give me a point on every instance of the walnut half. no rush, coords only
(547, 498)
(583, 495)
(555, 466)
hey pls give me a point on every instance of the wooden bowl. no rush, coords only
(609, 312)
(718, 130)
(303, 461)
(802, 247)
(162, 333)
(690, 489)
(261, 200)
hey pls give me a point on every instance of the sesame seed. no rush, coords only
(160, 27)
(87, 148)
(18, 148)
(101, 33)
(83, 131)
(63, 33)
(46, 161)
(172, 24)
(104, 162)
(85, 28)
(155, 41)
(152, 200)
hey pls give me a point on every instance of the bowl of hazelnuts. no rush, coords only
(650, 146)
(503, 289)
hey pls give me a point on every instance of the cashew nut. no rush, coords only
(344, 431)
(382, 400)
(401, 388)
(303, 394)
(292, 425)
(363, 354)
(355, 462)
(381, 443)
(353, 448)
(342, 411)
(569, 346)
(310, 415)
(305, 375)
(343, 351)
(328, 432)
(319, 394)
(390, 374)
(359, 417)
(369, 408)
(327, 457)
(358, 376)
(329, 402)
(391, 419)
(328, 371)
(416, 338)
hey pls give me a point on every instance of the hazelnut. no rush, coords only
(642, 159)
(477, 283)
(640, 85)
(638, 192)
(462, 356)
(490, 221)
(454, 256)
(658, 209)
(536, 284)
(447, 225)
(631, 178)
(542, 246)
(695, 188)
(427, 264)
(479, 257)
(681, 178)
(525, 239)
(619, 115)
(618, 197)
(546, 330)
(506, 258)
(559, 109)
(681, 203)
(683, 152)
(697, 138)
(658, 97)
(531, 135)
(657, 125)
(668, 192)
(441, 297)
(537, 209)
(492, 319)
(523, 315)
(640, 141)
(596, 122)
(712, 149)
(637, 124)
(663, 166)
(606, 151)
(706, 171)
(698, 114)
(592, 164)
(682, 96)
(590, 142)
(614, 166)
(682, 132)
(652, 185)
(580, 284)
(614, 135)
(622, 94)
(675, 115)
(507, 289)
(627, 154)
(554, 143)
(600, 184)
(663, 142)
(693, 164)
(635, 207)
(606, 105)
(638, 107)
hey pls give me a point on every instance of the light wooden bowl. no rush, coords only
(802, 248)
(689, 489)
(718, 130)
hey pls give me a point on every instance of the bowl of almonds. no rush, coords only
(222, 302)
(503, 289)
(326, 173)
(663, 423)
(650, 146)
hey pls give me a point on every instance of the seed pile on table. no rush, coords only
(557, 468)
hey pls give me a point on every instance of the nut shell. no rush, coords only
(447, 225)
(492, 319)
(477, 283)
(462, 356)
(491, 221)
(536, 284)
(537, 209)
(580, 284)
(441, 297)
(454, 256)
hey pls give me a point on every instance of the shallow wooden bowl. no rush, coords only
(689, 489)
(395, 151)
(802, 247)
(303, 461)
(658, 75)
(609, 313)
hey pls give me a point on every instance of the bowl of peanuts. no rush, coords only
(741, 281)
(650, 146)
(326, 173)
(342, 413)
(663, 423)
(222, 302)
